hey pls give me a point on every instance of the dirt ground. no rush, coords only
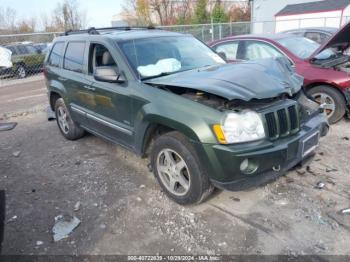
(123, 210)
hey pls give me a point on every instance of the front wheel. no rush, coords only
(177, 169)
(67, 126)
(331, 100)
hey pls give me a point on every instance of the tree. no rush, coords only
(239, 13)
(8, 20)
(201, 15)
(218, 14)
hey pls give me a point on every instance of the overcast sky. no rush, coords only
(99, 12)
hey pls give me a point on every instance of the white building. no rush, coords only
(270, 16)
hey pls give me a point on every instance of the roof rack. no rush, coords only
(95, 31)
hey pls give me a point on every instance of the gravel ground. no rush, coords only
(123, 211)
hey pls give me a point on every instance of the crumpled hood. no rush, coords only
(260, 79)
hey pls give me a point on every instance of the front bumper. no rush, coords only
(273, 159)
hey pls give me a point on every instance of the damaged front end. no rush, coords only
(263, 132)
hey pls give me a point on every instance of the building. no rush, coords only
(270, 16)
(328, 13)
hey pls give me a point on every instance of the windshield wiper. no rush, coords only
(159, 75)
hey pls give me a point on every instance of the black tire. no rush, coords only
(73, 131)
(199, 187)
(340, 104)
(21, 71)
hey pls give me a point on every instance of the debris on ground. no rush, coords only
(320, 185)
(345, 138)
(300, 172)
(142, 186)
(309, 170)
(12, 219)
(346, 211)
(39, 243)
(50, 114)
(331, 169)
(139, 199)
(235, 199)
(16, 153)
(7, 126)
(289, 180)
(64, 225)
(77, 206)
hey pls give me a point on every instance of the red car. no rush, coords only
(325, 68)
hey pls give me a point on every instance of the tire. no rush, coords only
(21, 71)
(68, 128)
(330, 93)
(179, 148)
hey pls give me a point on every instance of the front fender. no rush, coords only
(192, 124)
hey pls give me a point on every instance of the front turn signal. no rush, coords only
(219, 134)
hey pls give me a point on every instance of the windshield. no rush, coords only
(159, 56)
(303, 47)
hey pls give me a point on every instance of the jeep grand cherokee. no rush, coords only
(202, 122)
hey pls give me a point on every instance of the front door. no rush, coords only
(111, 115)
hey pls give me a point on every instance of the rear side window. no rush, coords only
(74, 57)
(56, 54)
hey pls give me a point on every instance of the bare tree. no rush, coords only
(8, 19)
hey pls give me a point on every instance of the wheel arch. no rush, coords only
(54, 95)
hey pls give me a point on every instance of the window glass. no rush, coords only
(31, 49)
(56, 54)
(22, 49)
(230, 50)
(74, 57)
(259, 50)
(100, 56)
(314, 36)
(156, 56)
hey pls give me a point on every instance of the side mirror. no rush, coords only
(109, 74)
(222, 55)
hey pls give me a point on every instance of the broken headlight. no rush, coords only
(240, 127)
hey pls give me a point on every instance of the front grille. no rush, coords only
(282, 122)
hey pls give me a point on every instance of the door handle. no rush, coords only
(89, 88)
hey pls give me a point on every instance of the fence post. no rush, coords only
(230, 27)
(220, 31)
(203, 33)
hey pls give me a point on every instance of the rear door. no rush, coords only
(79, 94)
(112, 112)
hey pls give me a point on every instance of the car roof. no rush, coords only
(272, 37)
(121, 35)
(321, 29)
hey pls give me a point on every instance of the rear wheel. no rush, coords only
(177, 169)
(67, 126)
(331, 100)
(21, 71)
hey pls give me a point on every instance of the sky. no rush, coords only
(98, 12)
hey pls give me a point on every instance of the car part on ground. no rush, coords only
(7, 126)
(203, 122)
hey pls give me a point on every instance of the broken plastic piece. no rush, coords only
(64, 225)
(7, 126)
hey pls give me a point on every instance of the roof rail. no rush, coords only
(95, 31)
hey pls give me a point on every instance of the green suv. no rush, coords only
(26, 59)
(168, 96)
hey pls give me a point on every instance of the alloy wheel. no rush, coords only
(173, 172)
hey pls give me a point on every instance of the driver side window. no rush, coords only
(100, 56)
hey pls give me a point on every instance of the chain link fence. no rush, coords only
(28, 50)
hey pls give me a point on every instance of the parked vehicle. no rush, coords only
(325, 68)
(42, 47)
(317, 34)
(26, 60)
(5, 60)
(166, 95)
